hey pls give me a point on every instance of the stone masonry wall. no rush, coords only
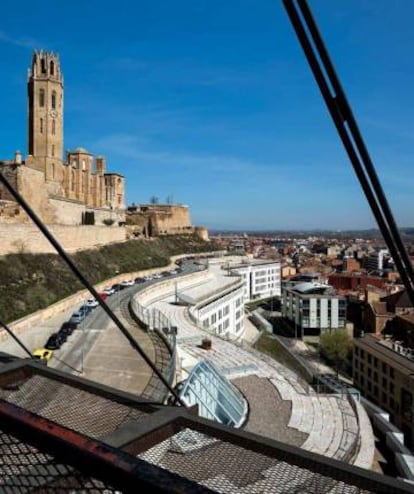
(21, 237)
(176, 219)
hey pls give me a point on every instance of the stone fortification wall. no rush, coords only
(164, 219)
(25, 237)
(69, 212)
(31, 185)
(174, 219)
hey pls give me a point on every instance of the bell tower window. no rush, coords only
(41, 97)
(43, 66)
(54, 100)
(53, 127)
(53, 149)
(41, 125)
(52, 68)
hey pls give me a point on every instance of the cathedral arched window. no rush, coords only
(41, 125)
(43, 65)
(53, 127)
(54, 100)
(53, 149)
(41, 97)
(52, 68)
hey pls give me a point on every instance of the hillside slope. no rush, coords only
(29, 282)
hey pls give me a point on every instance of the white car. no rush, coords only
(108, 290)
(92, 302)
(127, 283)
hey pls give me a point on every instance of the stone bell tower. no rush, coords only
(45, 98)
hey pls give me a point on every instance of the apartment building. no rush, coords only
(383, 370)
(313, 308)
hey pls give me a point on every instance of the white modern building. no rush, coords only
(217, 305)
(376, 261)
(313, 308)
(261, 278)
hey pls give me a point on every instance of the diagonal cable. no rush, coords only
(69, 261)
(346, 126)
(15, 338)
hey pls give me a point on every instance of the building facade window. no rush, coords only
(53, 100)
(41, 97)
(53, 127)
(41, 125)
(53, 149)
(43, 65)
(52, 68)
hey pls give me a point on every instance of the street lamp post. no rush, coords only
(117, 302)
(83, 341)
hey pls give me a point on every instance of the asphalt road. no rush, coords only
(71, 356)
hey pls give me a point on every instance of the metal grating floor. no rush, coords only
(228, 468)
(24, 469)
(76, 409)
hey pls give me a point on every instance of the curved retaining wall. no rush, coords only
(21, 327)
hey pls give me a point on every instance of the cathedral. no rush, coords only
(73, 189)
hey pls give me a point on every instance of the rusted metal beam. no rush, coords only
(91, 457)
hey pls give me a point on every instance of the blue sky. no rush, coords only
(213, 103)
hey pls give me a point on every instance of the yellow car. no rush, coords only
(42, 354)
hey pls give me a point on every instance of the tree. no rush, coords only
(154, 200)
(335, 347)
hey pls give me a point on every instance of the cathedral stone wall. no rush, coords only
(70, 212)
(31, 185)
(66, 211)
(25, 237)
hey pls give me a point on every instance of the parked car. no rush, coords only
(43, 355)
(55, 341)
(67, 328)
(117, 287)
(77, 317)
(139, 280)
(103, 296)
(109, 290)
(92, 303)
(85, 308)
(157, 276)
(126, 283)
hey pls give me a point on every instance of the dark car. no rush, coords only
(139, 280)
(85, 309)
(117, 287)
(55, 341)
(69, 327)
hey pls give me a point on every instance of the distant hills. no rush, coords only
(369, 233)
